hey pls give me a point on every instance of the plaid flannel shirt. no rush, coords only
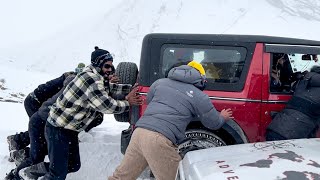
(83, 97)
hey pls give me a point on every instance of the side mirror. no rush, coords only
(306, 57)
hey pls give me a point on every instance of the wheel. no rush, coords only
(127, 72)
(199, 139)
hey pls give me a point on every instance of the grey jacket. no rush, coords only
(174, 101)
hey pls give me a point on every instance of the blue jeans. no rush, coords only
(63, 150)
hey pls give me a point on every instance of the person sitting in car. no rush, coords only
(275, 83)
(285, 72)
(301, 116)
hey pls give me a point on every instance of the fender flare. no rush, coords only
(233, 128)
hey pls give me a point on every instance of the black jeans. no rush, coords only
(31, 106)
(38, 144)
(63, 149)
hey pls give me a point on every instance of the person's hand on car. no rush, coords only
(226, 114)
(133, 98)
(135, 85)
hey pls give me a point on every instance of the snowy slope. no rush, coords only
(121, 25)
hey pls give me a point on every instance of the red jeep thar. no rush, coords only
(252, 75)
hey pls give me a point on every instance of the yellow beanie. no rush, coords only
(198, 67)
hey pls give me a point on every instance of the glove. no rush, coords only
(96, 122)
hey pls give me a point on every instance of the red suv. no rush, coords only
(252, 75)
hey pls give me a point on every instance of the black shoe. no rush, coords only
(11, 176)
(13, 146)
(34, 172)
(20, 155)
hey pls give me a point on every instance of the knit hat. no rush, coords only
(203, 83)
(198, 67)
(80, 67)
(100, 56)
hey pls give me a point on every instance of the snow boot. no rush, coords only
(13, 146)
(34, 172)
(20, 155)
(11, 176)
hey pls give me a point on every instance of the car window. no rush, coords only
(286, 69)
(222, 64)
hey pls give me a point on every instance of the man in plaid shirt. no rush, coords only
(75, 109)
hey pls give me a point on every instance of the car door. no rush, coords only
(282, 65)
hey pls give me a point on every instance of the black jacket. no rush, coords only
(45, 91)
(301, 116)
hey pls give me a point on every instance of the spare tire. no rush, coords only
(127, 73)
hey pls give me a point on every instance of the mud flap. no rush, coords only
(125, 139)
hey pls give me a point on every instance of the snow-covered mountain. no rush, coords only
(54, 36)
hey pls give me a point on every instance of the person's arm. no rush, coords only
(100, 100)
(152, 91)
(208, 114)
(48, 89)
(116, 89)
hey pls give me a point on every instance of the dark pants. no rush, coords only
(31, 106)
(63, 149)
(273, 136)
(38, 145)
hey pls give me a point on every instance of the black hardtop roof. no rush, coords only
(235, 38)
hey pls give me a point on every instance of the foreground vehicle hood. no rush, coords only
(289, 160)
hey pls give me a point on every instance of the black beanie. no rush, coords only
(99, 56)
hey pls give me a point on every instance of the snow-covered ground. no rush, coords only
(39, 40)
(99, 149)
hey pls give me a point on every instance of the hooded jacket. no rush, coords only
(301, 116)
(175, 101)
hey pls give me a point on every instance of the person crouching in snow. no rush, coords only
(74, 109)
(172, 103)
(18, 142)
(38, 146)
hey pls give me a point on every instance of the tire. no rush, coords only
(127, 72)
(199, 139)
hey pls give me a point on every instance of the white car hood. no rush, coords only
(289, 160)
